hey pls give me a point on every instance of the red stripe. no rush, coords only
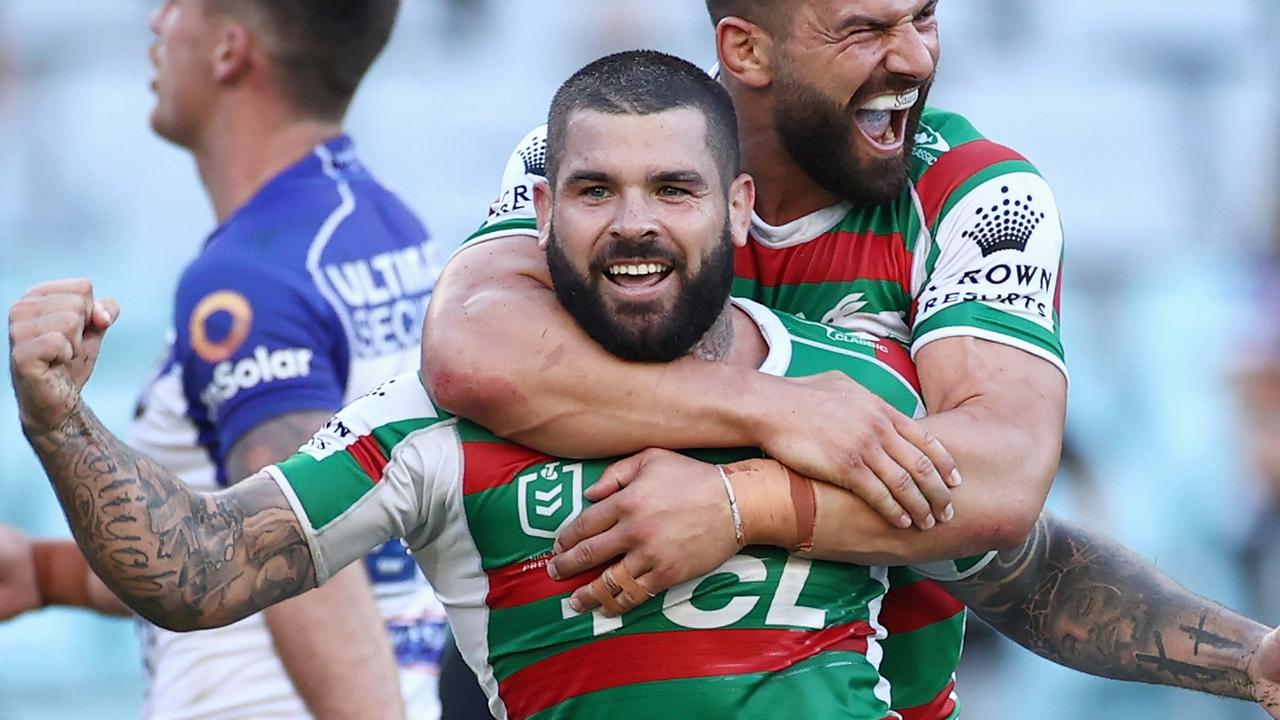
(940, 708)
(526, 582)
(836, 256)
(617, 660)
(899, 358)
(953, 169)
(487, 465)
(911, 607)
(369, 456)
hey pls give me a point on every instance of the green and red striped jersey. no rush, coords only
(766, 633)
(972, 248)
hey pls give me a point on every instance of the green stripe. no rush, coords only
(828, 685)
(392, 434)
(920, 663)
(880, 219)
(326, 488)
(525, 635)
(501, 227)
(984, 317)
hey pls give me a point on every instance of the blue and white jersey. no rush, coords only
(307, 297)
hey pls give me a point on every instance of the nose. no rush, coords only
(634, 217)
(910, 52)
(156, 14)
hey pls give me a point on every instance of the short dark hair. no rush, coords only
(321, 48)
(646, 82)
(768, 14)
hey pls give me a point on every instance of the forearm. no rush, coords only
(63, 578)
(181, 559)
(1087, 603)
(846, 528)
(349, 670)
(499, 349)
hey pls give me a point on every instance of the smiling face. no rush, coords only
(639, 230)
(850, 82)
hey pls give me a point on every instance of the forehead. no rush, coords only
(636, 144)
(832, 13)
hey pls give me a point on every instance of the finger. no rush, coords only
(903, 487)
(615, 477)
(72, 286)
(630, 592)
(924, 475)
(864, 483)
(590, 522)
(590, 553)
(36, 354)
(105, 312)
(68, 323)
(916, 434)
(29, 308)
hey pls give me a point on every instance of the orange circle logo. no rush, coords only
(241, 312)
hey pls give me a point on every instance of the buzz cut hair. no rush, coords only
(320, 49)
(646, 82)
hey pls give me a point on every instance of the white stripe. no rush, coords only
(871, 359)
(313, 543)
(325, 234)
(875, 651)
(778, 361)
(995, 337)
(920, 252)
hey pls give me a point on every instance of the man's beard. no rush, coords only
(645, 333)
(817, 133)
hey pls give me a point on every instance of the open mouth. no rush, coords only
(883, 119)
(637, 275)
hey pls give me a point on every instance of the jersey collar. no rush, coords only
(775, 336)
(798, 231)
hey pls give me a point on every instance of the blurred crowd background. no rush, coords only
(1156, 122)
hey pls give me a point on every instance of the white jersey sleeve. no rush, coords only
(376, 471)
(512, 213)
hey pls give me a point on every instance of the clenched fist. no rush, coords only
(55, 333)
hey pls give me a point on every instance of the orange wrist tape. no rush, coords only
(62, 573)
(778, 507)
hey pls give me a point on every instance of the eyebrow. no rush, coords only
(581, 176)
(690, 177)
(873, 23)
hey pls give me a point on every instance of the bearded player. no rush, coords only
(644, 174)
(874, 212)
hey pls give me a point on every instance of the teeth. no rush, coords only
(636, 269)
(890, 103)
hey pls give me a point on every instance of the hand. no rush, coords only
(1264, 671)
(833, 429)
(19, 591)
(664, 514)
(55, 333)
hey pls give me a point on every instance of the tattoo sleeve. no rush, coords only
(182, 559)
(1088, 603)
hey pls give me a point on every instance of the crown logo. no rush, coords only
(535, 158)
(1006, 225)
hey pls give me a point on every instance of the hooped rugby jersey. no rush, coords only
(766, 634)
(973, 247)
(305, 298)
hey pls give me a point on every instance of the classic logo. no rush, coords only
(928, 139)
(550, 497)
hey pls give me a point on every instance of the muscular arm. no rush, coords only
(349, 669)
(182, 559)
(1000, 412)
(1086, 602)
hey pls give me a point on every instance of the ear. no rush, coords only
(542, 199)
(742, 199)
(233, 55)
(745, 51)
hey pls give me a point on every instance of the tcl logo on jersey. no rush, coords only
(264, 366)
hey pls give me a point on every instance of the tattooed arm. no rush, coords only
(182, 559)
(1090, 604)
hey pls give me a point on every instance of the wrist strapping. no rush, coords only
(734, 510)
(778, 507)
(62, 573)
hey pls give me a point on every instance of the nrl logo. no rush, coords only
(549, 498)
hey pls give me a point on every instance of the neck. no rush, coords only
(734, 339)
(784, 192)
(246, 151)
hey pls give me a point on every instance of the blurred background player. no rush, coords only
(311, 289)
